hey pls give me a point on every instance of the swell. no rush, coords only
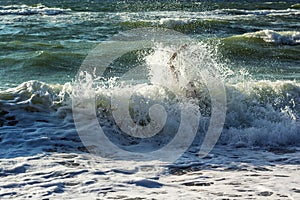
(182, 25)
(270, 36)
(266, 44)
(229, 21)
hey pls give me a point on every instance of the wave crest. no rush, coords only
(282, 37)
(30, 10)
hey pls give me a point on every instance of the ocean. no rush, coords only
(70, 70)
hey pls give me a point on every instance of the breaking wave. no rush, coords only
(259, 113)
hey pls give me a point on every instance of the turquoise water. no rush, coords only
(238, 76)
(48, 41)
(256, 43)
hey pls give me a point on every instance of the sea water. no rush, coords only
(253, 46)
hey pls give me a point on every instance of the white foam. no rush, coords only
(30, 10)
(263, 113)
(280, 37)
(286, 12)
(42, 156)
(227, 173)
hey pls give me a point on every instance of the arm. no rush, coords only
(174, 55)
(170, 63)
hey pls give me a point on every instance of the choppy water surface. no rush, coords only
(254, 46)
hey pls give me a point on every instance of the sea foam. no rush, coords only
(30, 10)
(277, 37)
(259, 113)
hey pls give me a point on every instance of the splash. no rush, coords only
(260, 113)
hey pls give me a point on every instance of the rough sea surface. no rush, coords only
(254, 47)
